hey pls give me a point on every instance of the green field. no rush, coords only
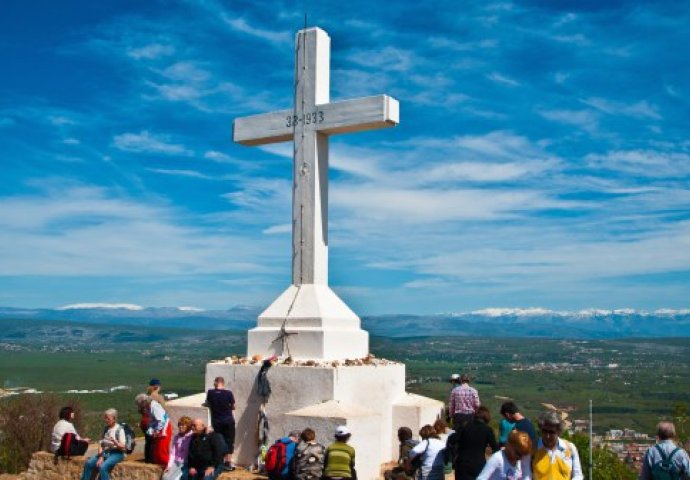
(633, 383)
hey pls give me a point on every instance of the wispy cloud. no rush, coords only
(648, 163)
(241, 25)
(502, 79)
(151, 51)
(641, 109)
(145, 142)
(386, 58)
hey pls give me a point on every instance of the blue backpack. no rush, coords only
(665, 469)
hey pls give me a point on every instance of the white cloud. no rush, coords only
(278, 229)
(219, 157)
(588, 120)
(70, 230)
(386, 58)
(242, 26)
(145, 142)
(641, 109)
(646, 163)
(183, 173)
(502, 79)
(71, 141)
(151, 51)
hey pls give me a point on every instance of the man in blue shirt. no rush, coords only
(221, 402)
(666, 449)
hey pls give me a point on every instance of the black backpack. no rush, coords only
(665, 469)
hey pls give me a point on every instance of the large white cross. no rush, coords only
(309, 124)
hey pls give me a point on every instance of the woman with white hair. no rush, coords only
(554, 458)
(111, 448)
(159, 428)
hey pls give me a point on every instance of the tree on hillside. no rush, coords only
(681, 419)
(607, 466)
(26, 423)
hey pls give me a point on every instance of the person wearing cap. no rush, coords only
(154, 391)
(221, 403)
(340, 457)
(463, 403)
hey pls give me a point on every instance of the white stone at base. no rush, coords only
(369, 399)
(324, 327)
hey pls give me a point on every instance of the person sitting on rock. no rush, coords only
(407, 443)
(111, 448)
(75, 445)
(206, 450)
(340, 457)
(177, 468)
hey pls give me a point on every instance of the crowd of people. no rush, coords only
(199, 451)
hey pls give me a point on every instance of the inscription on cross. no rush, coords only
(309, 124)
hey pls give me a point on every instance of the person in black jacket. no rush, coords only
(206, 451)
(468, 446)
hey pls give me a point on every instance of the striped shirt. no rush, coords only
(340, 457)
(463, 399)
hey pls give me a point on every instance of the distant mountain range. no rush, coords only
(493, 322)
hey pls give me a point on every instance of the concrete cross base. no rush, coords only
(369, 399)
(318, 325)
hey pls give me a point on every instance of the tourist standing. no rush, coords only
(64, 426)
(309, 458)
(205, 457)
(513, 462)
(665, 450)
(111, 448)
(221, 402)
(468, 446)
(177, 468)
(340, 457)
(555, 458)
(463, 403)
(154, 391)
(430, 453)
(510, 412)
(159, 428)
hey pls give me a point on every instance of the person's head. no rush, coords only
(440, 426)
(509, 410)
(342, 433)
(427, 432)
(454, 378)
(110, 417)
(464, 378)
(404, 434)
(66, 413)
(154, 384)
(551, 426)
(294, 435)
(666, 430)
(184, 425)
(198, 426)
(307, 435)
(142, 400)
(483, 414)
(219, 382)
(519, 443)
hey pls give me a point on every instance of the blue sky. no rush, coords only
(542, 159)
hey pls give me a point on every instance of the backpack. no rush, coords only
(130, 442)
(665, 469)
(71, 446)
(275, 459)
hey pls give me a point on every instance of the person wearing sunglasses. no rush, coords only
(554, 458)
